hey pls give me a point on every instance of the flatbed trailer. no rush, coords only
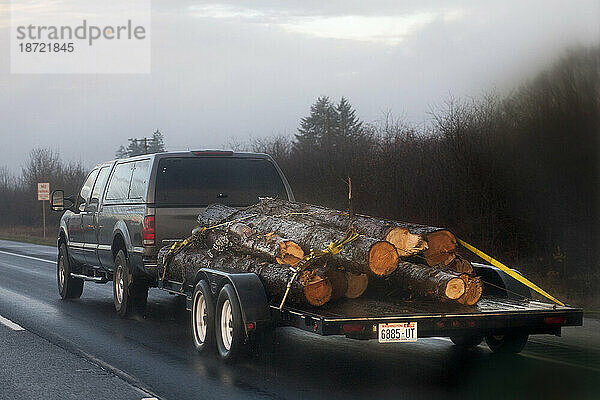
(232, 310)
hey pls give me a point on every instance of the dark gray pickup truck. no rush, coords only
(126, 209)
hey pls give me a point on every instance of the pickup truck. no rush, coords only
(127, 209)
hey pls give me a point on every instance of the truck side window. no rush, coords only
(139, 180)
(86, 189)
(118, 187)
(100, 183)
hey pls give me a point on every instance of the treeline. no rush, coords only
(18, 193)
(517, 175)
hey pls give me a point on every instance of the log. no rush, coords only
(357, 284)
(459, 264)
(315, 290)
(426, 281)
(338, 281)
(441, 249)
(364, 255)
(473, 291)
(246, 240)
(408, 238)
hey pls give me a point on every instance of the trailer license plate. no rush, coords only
(398, 332)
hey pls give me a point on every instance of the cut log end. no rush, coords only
(317, 291)
(383, 258)
(461, 265)
(289, 253)
(406, 243)
(473, 292)
(455, 288)
(441, 248)
(357, 284)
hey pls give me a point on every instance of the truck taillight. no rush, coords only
(555, 320)
(148, 230)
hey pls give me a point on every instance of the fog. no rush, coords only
(223, 70)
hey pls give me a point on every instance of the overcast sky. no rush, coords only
(237, 69)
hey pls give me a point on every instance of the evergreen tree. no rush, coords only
(349, 125)
(157, 145)
(318, 128)
(328, 126)
(136, 147)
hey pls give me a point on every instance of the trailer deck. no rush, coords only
(360, 318)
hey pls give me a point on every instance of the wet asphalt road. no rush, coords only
(154, 356)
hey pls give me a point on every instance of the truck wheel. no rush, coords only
(229, 330)
(510, 343)
(130, 297)
(203, 317)
(68, 287)
(467, 340)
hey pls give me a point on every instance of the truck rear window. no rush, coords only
(236, 182)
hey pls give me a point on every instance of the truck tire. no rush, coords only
(203, 318)
(229, 329)
(510, 343)
(467, 340)
(130, 297)
(68, 287)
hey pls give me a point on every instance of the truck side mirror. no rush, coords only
(58, 199)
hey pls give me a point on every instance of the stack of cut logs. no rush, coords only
(273, 236)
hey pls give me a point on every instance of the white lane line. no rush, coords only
(29, 257)
(7, 322)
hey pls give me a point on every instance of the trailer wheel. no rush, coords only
(203, 317)
(510, 343)
(130, 297)
(467, 340)
(229, 329)
(68, 287)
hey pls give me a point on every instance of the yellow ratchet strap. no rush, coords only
(509, 271)
(332, 248)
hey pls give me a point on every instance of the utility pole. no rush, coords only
(144, 140)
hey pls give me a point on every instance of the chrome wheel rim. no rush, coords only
(200, 317)
(61, 272)
(119, 284)
(226, 325)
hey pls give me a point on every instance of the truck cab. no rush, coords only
(128, 208)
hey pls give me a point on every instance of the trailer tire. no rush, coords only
(203, 318)
(130, 297)
(229, 327)
(467, 340)
(510, 343)
(68, 287)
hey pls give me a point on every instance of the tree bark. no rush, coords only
(315, 290)
(437, 244)
(364, 255)
(426, 281)
(246, 240)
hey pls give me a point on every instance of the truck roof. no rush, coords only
(190, 153)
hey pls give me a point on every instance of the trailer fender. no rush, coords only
(250, 291)
(498, 283)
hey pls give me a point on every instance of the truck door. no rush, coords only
(90, 218)
(75, 224)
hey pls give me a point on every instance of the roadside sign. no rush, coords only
(44, 191)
